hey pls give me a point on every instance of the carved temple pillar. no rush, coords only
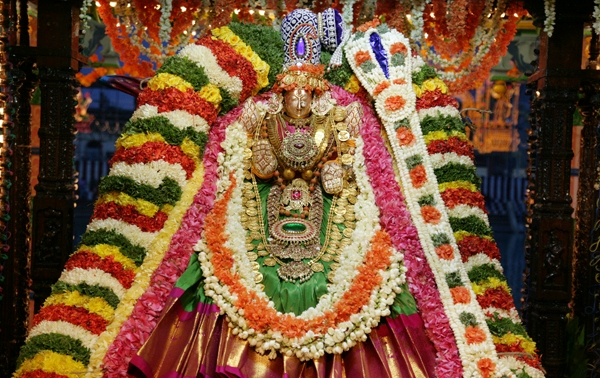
(550, 238)
(16, 192)
(53, 204)
(586, 289)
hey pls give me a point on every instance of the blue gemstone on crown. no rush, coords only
(301, 48)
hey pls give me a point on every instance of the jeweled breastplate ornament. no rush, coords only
(303, 157)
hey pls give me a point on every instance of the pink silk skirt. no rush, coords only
(200, 344)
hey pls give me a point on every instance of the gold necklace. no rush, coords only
(302, 149)
(297, 122)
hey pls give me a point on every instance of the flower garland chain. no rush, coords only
(375, 58)
(341, 318)
(550, 13)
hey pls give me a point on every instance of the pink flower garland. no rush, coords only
(396, 220)
(136, 330)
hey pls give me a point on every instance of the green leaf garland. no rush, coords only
(185, 69)
(84, 288)
(170, 133)
(266, 42)
(470, 224)
(168, 192)
(56, 342)
(104, 236)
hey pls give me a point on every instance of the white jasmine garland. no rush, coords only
(596, 16)
(512, 314)
(178, 118)
(164, 33)
(93, 277)
(203, 57)
(481, 259)
(439, 111)
(310, 345)
(512, 365)
(439, 160)
(129, 231)
(463, 211)
(83, 16)
(550, 13)
(403, 90)
(347, 12)
(76, 332)
(152, 173)
(416, 18)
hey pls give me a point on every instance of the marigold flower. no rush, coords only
(405, 136)
(418, 176)
(430, 214)
(460, 294)
(398, 47)
(394, 103)
(445, 252)
(474, 335)
(361, 57)
(486, 367)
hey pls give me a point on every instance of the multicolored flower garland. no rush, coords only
(117, 282)
(371, 55)
(395, 218)
(363, 287)
(452, 159)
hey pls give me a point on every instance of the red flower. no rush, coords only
(130, 215)
(460, 196)
(154, 151)
(380, 87)
(398, 48)
(88, 260)
(453, 144)
(418, 176)
(361, 57)
(233, 63)
(172, 98)
(473, 244)
(497, 297)
(74, 315)
(430, 99)
(430, 214)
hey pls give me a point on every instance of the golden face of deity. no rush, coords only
(297, 103)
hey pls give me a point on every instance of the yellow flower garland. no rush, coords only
(458, 185)
(136, 140)
(260, 66)
(52, 362)
(142, 206)
(211, 93)
(511, 338)
(491, 283)
(167, 80)
(191, 150)
(155, 255)
(430, 85)
(442, 135)
(353, 85)
(95, 305)
(460, 235)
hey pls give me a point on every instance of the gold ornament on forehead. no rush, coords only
(296, 195)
